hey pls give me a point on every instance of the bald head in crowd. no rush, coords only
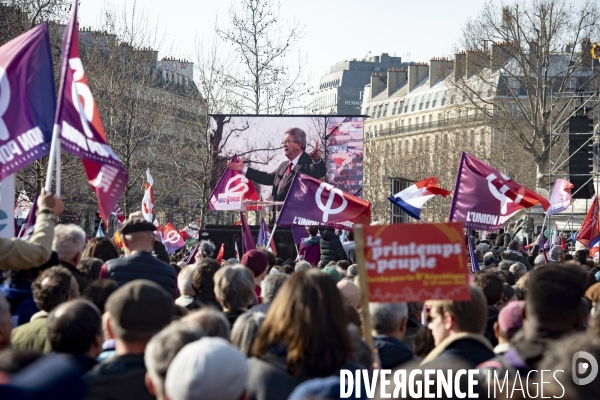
(350, 293)
(75, 327)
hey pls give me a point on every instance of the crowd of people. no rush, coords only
(79, 320)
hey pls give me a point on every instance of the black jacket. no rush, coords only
(489, 329)
(121, 377)
(469, 351)
(280, 181)
(331, 247)
(142, 265)
(392, 352)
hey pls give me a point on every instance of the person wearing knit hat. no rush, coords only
(207, 369)
(510, 320)
(257, 262)
(333, 273)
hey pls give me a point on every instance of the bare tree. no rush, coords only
(519, 58)
(268, 81)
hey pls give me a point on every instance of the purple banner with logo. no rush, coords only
(27, 102)
(311, 202)
(560, 199)
(231, 183)
(81, 130)
(485, 199)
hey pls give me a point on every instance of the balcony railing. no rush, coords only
(443, 123)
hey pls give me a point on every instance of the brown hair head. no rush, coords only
(309, 319)
(102, 248)
(469, 316)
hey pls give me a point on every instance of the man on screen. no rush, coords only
(294, 146)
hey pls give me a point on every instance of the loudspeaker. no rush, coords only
(581, 161)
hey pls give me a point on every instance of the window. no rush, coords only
(367, 111)
(421, 100)
(435, 97)
(394, 109)
(379, 111)
(444, 99)
(402, 123)
(385, 107)
(414, 103)
(428, 101)
(400, 107)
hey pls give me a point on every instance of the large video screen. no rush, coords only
(257, 140)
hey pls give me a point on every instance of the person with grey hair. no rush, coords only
(388, 321)
(69, 244)
(5, 322)
(187, 293)
(162, 349)
(234, 289)
(211, 321)
(518, 269)
(352, 271)
(206, 249)
(245, 329)
(504, 265)
(270, 286)
(302, 266)
(294, 149)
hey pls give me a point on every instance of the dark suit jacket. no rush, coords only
(280, 182)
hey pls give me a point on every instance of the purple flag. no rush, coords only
(192, 257)
(27, 102)
(299, 233)
(81, 130)
(262, 237)
(474, 262)
(485, 199)
(232, 184)
(247, 239)
(27, 227)
(311, 202)
(560, 199)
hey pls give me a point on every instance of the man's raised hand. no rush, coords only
(315, 153)
(239, 166)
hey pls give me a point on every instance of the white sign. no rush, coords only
(229, 201)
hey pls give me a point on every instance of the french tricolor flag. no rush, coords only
(412, 199)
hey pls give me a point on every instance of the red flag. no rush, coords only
(81, 131)
(221, 253)
(590, 228)
(311, 202)
(563, 245)
(148, 200)
(171, 238)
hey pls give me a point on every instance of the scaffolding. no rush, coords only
(584, 103)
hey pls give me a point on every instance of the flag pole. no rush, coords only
(58, 166)
(271, 237)
(50, 171)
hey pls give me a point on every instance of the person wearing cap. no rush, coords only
(134, 313)
(138, 241)
(510, 320)
(17, 254)
(207, 369)
(257, 262)
(490, 261)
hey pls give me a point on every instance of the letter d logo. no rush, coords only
(579, 368)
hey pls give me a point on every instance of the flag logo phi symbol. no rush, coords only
(326, 208)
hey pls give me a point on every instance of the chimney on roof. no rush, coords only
(460, 63)
(377, 83)
(416, 73)
(438, 68)
(396, 77)
(476, 61)
(586, 52)
(501, 52)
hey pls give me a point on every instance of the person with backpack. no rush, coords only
(310, 248)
